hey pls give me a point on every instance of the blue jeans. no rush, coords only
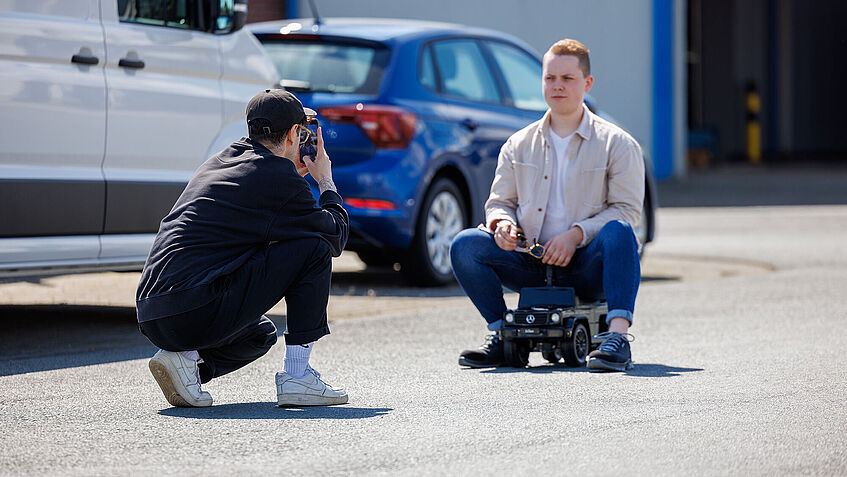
(607, 267)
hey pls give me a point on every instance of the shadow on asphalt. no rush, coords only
(379, 282)
(642, 370)
(268, 410)
(652, 370)
(385, 282)
(46, 337)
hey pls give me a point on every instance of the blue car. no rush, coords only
(413, 115)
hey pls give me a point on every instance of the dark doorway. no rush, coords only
(792, 54)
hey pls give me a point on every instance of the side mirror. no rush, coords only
(226, 16)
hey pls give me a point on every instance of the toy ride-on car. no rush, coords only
(554, 321)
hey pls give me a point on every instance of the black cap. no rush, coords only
(275, 111)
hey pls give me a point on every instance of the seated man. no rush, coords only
(245, 233)
(574, 183)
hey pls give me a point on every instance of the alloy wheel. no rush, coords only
(443, 221)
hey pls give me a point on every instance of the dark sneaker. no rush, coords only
(613, 353)
(489, 355)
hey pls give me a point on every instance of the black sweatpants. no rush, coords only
(232, 330)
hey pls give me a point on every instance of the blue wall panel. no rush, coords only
(663, 94)
(292, 9)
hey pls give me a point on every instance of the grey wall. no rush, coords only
(618, 33)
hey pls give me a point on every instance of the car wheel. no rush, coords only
(642, 228)
(575, 349)
(441, 217)
(516, 353)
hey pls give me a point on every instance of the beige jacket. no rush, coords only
(605, 179)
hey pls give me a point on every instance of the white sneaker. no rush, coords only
(179, 378)
(309, 390)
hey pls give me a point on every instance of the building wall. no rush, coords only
(265, 10)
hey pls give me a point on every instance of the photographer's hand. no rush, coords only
(301, 168)
(505, 235)
(321, 167)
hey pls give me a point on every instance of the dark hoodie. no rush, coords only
(238, 202)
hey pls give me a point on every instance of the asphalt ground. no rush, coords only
(739, 371)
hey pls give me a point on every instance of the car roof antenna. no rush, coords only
(315, 12)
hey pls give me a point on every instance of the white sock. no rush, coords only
(297, 358)
(193, 355)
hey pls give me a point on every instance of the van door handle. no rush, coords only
(470, 124)
(131, 63)
(85, 60)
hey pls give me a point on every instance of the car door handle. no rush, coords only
(469, 124)
(131, 63)
(85, 60)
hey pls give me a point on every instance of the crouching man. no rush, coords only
(575, 184)
(245, 233)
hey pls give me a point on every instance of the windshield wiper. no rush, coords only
(296, 86)
(299, 86)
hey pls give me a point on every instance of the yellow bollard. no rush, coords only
(754, 130)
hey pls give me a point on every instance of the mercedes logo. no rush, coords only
(530, 318)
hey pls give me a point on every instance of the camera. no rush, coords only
(309, 138)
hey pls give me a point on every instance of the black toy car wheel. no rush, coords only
(553, 355)
(516, 353)
(440, 218)
(575, 349)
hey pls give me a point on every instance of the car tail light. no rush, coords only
(370, 204)
(388, 127)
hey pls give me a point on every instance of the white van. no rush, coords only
(106, 109)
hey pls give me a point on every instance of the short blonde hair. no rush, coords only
(571, 47)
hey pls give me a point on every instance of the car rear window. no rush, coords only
(319, 66)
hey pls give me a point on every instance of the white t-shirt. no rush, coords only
(555, 217)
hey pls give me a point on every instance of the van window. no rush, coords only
(183, 14)
(226, 13)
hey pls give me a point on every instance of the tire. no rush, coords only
(553, 356)
(516, 353)
(643, 227)
(441, 217)
(575, 349)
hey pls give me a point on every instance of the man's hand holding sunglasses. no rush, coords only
(506, 235)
